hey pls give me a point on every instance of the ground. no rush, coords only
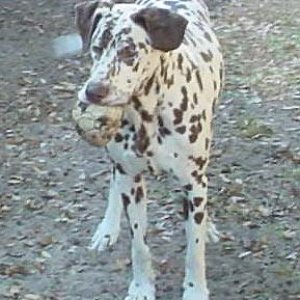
(54, 186)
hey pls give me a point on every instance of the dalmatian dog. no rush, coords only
(161, 61)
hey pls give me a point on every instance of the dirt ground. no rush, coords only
(53, 186)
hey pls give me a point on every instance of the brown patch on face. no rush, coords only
(178, 114)
(139, 194)
(185, 209)
(106, 38)
(198, 201)
(143, 47)
(128, 53)
(198, 217)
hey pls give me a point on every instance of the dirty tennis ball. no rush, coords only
(97, 124)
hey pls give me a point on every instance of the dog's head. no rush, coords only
(126, 42)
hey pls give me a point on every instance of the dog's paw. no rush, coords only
(192, 292)
(105, 236)
(141, 291)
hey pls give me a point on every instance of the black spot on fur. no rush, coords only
(136, 102)
(199, 80)
(191, 206)
(181, 129)
(137, 178)
(146, 116)
(199, 161)
(143, 141)
(179, 61)
(126, 201)
(188, 187)
(198, 201)
(185, 209)
(195, 98)
(149, 84)
(118, 137)
(207, 57)
(139, 194)
(178, 114)
(120, 168)
(207, 142)
(207, 36)
(184, 103)
(198, 217)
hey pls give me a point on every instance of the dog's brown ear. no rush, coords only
(165, 29)
(86, 21)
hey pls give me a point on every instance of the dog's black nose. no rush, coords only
(96, 91)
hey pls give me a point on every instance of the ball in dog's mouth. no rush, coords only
(97, 124)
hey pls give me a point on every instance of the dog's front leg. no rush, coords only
(142, 286)
(195, 287)
(108, 230)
